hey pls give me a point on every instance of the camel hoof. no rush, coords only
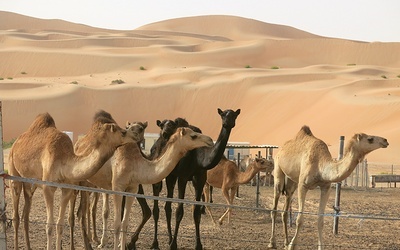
(271, 246)
(220, 222)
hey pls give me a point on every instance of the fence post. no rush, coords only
(258, 184)
(238, 164)
(3, 236)
(338, 188)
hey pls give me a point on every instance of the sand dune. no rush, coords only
(281, 78)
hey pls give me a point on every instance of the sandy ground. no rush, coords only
(373, 227)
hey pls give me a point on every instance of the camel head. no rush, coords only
(189, 139)
(168, 127)
(364, 143)
(228, 117)
(262, 164)
(136, 130)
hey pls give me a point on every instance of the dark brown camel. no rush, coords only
(200, 160)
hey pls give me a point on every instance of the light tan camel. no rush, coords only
(45, 153)
(136, 131)
(306, 163)
(129, 168)
(228, 177)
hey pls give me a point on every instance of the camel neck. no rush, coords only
(246, 176)
(217, 150)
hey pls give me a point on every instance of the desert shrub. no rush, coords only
(247, 66)
(274, 67)
(9, 78)
(8, 144)
(23, 73)
(142, 68)
(384, 77)
(118, 81)
(1, 78)
(351, 64)
(74, 82)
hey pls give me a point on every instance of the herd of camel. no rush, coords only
(110, 157)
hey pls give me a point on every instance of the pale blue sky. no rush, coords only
(365, 20)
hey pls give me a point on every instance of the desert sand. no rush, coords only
(280, 77)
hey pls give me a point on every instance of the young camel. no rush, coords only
(228, 177)
(88, 213)
(45, 153)
(129, 168)
(306, 163)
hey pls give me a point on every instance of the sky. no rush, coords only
(362, 20)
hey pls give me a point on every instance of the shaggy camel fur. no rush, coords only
(129, 168)
(45, 153)
(227, 176)
(136, 132)
(306, 163)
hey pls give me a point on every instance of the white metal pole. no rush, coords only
(3, 236)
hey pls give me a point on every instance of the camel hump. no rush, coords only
(43, 121)
(103, 117)
(305, 130)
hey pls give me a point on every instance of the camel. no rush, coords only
(45, 153)
(128, 168)
(88, 214)
(227, 176)
(306, 163)
(200, 160)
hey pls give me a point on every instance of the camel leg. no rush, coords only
(290, 187)
(28, 194)
(48, 193)
(170, 181)
(206, 192)
(302, 192)
(278, 188)
(198, 184)
(322, 205)
(83, 219)
(156, 214)
(16, 188)
(105, 215)
(146, 214)
(92, 215)
(117, 218)
(232, 197)
(71, 218)
(65, 198)
(227, 195)
(127, 211)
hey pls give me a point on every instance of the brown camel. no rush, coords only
(130, 168)
(136, 131)
(45, 153)
(227, 176)
(306, 163)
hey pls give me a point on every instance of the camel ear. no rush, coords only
(183, 131)
(237, 111)
(359, 137)
(145, 124)
(219, 111)
(127, 123)
(158, 123)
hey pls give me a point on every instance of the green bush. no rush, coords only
(383, 76)
(9, 78)
(23, 73)
(142, 68)
(74, 82)
(8, 144)
(1, 78)
(351, 64)
(274, 67)
(247, 66)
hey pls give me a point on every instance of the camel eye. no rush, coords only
(193, 137)
(370, 140)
